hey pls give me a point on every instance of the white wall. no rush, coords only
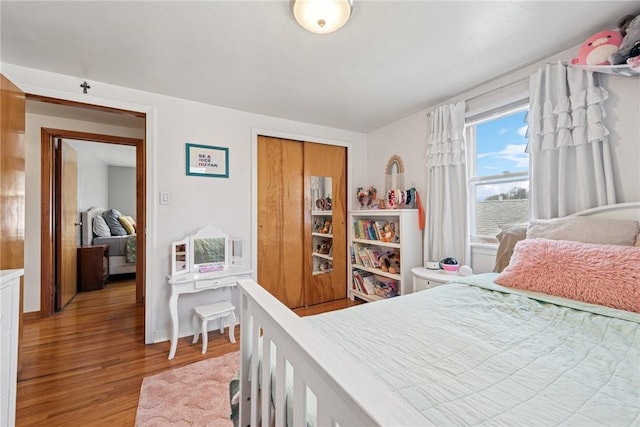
(194, 201)
(408, 139)
(122, 190)
(93, 182)
(32, 247)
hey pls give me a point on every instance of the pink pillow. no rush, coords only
(607, 275)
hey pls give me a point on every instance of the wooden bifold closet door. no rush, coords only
(285, 244)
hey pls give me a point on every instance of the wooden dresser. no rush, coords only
(93, 267)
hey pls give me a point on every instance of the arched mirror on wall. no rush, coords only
(394, 173)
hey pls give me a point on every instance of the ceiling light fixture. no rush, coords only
(322, 16)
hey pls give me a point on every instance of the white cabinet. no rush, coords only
(385, 245)
(423, 278)
(9, 315)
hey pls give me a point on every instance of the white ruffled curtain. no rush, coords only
(446, 204)
(570, 160)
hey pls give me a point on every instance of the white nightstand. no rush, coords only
(423, 278)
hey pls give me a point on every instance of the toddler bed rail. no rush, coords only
(315, 382)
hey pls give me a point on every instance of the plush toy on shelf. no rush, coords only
(634, 63)
(597, 49)
(390, 262)
(324, 247)
(387, 234)
(630, 45)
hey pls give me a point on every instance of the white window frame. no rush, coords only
(473, 180)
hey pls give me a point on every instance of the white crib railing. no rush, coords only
(328, 387)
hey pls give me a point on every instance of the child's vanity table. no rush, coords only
(205, 261)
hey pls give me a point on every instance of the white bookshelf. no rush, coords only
(408, 245)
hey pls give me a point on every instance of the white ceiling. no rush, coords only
(392, 59)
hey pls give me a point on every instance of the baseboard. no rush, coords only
(32, 315)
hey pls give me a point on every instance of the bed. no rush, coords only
(471, 352)
(122, 249)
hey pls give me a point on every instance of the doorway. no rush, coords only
(50, 226)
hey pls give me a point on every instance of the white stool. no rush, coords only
(202, 314)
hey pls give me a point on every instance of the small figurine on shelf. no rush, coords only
(630, 45)
(324, 266)
(387, 233)
(597, 49)
(324, 247)
(363, 197)
(373, 195)
(395, 232)
(327, 228)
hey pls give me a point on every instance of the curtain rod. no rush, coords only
(498, 89)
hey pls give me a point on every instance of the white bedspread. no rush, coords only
(464, 355)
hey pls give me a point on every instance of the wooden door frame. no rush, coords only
(47, 235)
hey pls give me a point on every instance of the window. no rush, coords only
(498, 170)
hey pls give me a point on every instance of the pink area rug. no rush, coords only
(194, 395)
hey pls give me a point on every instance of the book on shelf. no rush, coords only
(367, 229)
(364, 257)
(371, 230)
(380, 228)
(374, 254)
(358, 284)
(356, 230)
(364, 282)
(362, 229)
(355, 250)
(369, 283)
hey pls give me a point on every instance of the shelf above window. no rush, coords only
(619, 70)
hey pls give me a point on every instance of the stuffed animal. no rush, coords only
(597, 49)
(390, 262)
(634, 63)
(630, 45)
(326, 228)
(324, 247)
(387, 234)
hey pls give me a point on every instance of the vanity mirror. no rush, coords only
(180, 257)
(209, 250)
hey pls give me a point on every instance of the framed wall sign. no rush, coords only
(205, 160)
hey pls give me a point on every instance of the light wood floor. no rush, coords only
(84, 366)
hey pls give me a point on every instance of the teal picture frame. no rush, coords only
(207, 160)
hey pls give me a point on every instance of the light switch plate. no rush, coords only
(164, 198)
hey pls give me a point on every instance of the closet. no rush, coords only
(302, 235)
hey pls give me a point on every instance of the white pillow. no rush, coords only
(100, 227)
(586, 230)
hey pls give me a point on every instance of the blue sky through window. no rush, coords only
(500, 145)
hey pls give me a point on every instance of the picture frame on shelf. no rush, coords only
(206, 160)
